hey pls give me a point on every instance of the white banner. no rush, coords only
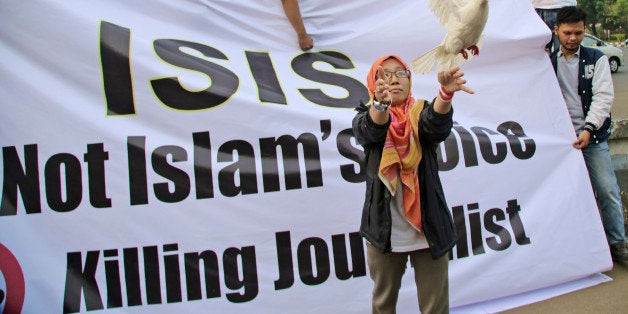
(186, 156)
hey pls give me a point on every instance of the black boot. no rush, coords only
(619, 252)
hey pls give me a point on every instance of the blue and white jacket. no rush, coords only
(595, 88)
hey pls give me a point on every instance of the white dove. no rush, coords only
(464, 21)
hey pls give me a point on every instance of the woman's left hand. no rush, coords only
(451, 80)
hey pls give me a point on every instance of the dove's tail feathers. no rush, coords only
(425, 62)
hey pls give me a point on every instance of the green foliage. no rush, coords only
(609, 15)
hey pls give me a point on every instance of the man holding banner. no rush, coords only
(405, 213)
(585, 78)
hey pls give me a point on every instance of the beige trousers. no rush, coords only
(431, 278)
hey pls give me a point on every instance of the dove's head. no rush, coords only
(399, 84)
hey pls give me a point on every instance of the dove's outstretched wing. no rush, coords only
(445, 10)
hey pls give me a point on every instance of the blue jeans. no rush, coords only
(598, 160)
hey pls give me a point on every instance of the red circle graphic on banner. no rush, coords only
(14, 280)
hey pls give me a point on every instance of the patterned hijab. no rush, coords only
(402, 149)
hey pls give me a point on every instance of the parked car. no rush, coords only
(614, 54)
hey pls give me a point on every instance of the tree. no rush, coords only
(611, 15)
(593, 8)
(619, 13)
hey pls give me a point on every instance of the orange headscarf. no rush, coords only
(402, 149)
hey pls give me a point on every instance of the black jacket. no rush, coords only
(438, 224)
(588, 58)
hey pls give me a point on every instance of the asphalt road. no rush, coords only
(619, 111)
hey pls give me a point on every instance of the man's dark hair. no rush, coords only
(570, 15)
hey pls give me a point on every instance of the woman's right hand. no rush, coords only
(382, 94)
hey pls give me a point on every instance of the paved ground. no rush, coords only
(619, 110)
(609, 297)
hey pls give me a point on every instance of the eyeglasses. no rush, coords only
(398, 74)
